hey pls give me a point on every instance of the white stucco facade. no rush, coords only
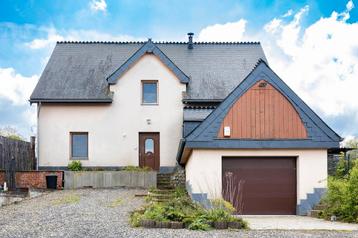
(113, 128)
(204, 169)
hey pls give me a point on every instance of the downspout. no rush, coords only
(180, 150)
(38, 136)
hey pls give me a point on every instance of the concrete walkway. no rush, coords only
(295, 223)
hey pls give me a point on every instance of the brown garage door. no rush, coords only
(265, 186)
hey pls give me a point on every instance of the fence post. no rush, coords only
(33, 154)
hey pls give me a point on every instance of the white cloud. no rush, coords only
(231, 31)
(273, 25)
(54, 35)
(30, 117)
(350, 5)
(319, 61)
(288, 13)
(15, 87)
(98, 5)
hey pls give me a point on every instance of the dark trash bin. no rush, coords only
(51, 181)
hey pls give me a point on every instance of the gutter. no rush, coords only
(39, 100)
(188, 100)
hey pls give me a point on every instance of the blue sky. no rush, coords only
(29, 30)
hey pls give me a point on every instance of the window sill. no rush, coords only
(149, 104)
(79, 158)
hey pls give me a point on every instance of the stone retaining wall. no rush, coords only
(178, 177)
(109, 179)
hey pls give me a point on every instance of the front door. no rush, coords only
(149, 150)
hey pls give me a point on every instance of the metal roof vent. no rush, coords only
(190, 42)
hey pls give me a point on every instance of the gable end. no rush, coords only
(319, 135)
(262, 112)
(148, 48)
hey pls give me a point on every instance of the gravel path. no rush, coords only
(104, 213)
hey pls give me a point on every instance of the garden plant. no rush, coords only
(180, 211)
(341, 200)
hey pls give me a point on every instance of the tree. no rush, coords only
(10, 133)
(352, 143)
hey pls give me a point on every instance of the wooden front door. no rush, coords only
(149, 150)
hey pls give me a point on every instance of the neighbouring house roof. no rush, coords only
(78, 71)
(205, 135)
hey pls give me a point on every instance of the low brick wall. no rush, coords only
(110, 179)
(33, 179)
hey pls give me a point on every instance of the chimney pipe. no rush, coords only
(190, 42)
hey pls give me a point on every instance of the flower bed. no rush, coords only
(181, 212)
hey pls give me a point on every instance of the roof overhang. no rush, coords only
(183, 152)
(39, 100)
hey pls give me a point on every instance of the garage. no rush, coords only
(260, 185)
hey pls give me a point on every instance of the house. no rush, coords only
(215, 108)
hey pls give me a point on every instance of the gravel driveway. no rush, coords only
(104, 213)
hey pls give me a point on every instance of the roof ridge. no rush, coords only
(164, 42)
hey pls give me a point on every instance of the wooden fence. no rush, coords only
(23, 152)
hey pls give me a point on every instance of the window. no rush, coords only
(149, 145)
(79, 145)
(149, 92)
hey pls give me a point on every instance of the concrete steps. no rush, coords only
(164, 190)
(317, 210)
(315, 213)
(164, 181)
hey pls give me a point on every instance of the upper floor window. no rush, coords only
(149, 92)
(79, 145)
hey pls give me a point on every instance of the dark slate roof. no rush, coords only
(197, 114)
(77, 71)
(150, 48)
(189, 126)
(320, 135)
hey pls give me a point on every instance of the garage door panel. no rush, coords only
(278, 206)
(264, 174)
(260, 185)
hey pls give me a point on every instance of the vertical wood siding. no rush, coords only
(263, 113)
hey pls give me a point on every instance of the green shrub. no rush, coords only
(131, 168)
(199, 224)
(75, 165)
(218, 214)
(341, 199)
(16, 137)
(155, 212)
(222, 204)
(341, 167)
(174, 214)
(180, 192)
(135, 219)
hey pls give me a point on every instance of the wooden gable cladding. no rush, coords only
(263, 113)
